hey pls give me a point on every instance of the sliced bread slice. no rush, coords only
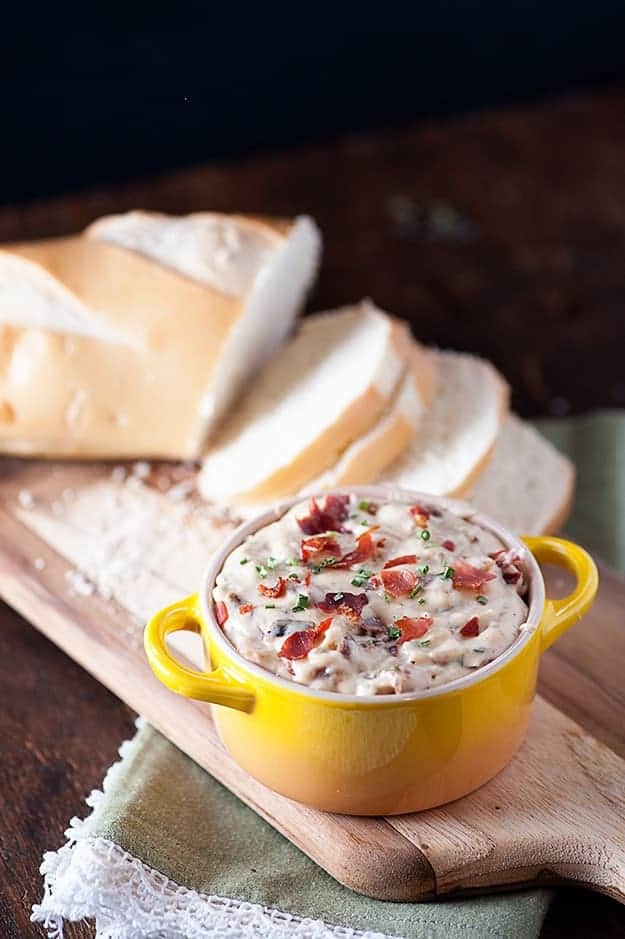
(528, 485)
(367, 457)
(458, 432)
(327, 387)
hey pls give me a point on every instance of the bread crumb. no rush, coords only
(181, 490)
(141, 469)
(25, 499)
(79, 584)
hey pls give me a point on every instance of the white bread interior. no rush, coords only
(527, 485)
(329, 385)
(456, 436)
(106, 352)
(365, 458)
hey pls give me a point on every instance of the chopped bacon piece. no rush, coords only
(221, 612)
(420, 515)
(365, 549)
(449, 545)
(246, 608)
(275, 591)
(468, 577)
(508, 561)
(471, 627)
(299, 644)
(323, 626)
(307, 578)
(347, 604)
(328, 518)
(320, 547)
(381, 542)
(398, 583)
(404, 559)
(413, 627)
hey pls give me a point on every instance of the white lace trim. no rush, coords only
(92, 878)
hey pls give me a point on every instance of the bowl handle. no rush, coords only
(217, 686)
(558, 615)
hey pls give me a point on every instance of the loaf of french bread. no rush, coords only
(132, 339)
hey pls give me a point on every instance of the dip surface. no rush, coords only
(371, 597)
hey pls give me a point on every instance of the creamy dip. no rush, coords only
(371, 597)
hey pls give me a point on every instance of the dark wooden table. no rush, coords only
(499, 233)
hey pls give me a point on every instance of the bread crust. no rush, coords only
(562, 513)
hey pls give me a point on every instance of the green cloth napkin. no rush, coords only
(166, 811)
(596, 444)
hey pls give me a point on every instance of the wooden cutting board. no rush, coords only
(555, 814)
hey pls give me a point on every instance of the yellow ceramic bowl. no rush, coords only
(379, 755)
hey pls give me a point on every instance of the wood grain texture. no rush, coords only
(554, 815)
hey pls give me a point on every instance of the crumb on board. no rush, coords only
(141, 469)
(25, 499)
(78, 583)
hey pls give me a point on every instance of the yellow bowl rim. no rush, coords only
(526, 631)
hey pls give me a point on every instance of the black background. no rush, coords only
(106, 93)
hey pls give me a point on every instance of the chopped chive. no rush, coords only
(481, 599)
(244, 561)
(361, 577)
(423, 568)
(415, 592)
(262, 570)
(328, 562)
(270, 606)
(425, 535)
(292, 562)
(387, 597)
(364, 521)
(478, 650)
(425, 642)
(447, 573)
(302, 603)
(421, 600)
(394, 632)
(293, 577)
(272, 563)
